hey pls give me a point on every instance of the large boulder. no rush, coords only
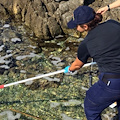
(47, 18)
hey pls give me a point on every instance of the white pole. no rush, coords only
(41, 76)
(88, 64)
(33, 78)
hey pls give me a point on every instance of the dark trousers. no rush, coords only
(100, 96)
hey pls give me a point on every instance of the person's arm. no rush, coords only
(115, 4)
(77, 64)
(108, 7)
(81, 59)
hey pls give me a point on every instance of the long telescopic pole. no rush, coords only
(30, 79)
(41, 76)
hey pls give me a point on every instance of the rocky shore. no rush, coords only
(44, 46)
(48, 18)
(55, 97)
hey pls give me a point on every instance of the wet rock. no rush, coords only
(54, 27)
(1, 43)
(3, 11)
(7, 35)
(41, 16)
(12, 63)
(10, 115)
(112, 14)
(43, 84)
(2, 70)
(16, 40)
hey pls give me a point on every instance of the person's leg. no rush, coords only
(93, 111)
(97, 99)
(100, 96)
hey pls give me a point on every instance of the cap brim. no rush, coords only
(71, 24)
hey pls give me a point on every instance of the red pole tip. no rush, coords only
(1, 86)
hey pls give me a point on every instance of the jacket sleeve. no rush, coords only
(83, 53)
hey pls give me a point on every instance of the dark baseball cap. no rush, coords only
(81, 15)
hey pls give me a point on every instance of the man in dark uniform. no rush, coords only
(102, 43)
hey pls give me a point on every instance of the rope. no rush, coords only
(25, 114)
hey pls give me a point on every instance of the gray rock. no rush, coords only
(48, 18)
